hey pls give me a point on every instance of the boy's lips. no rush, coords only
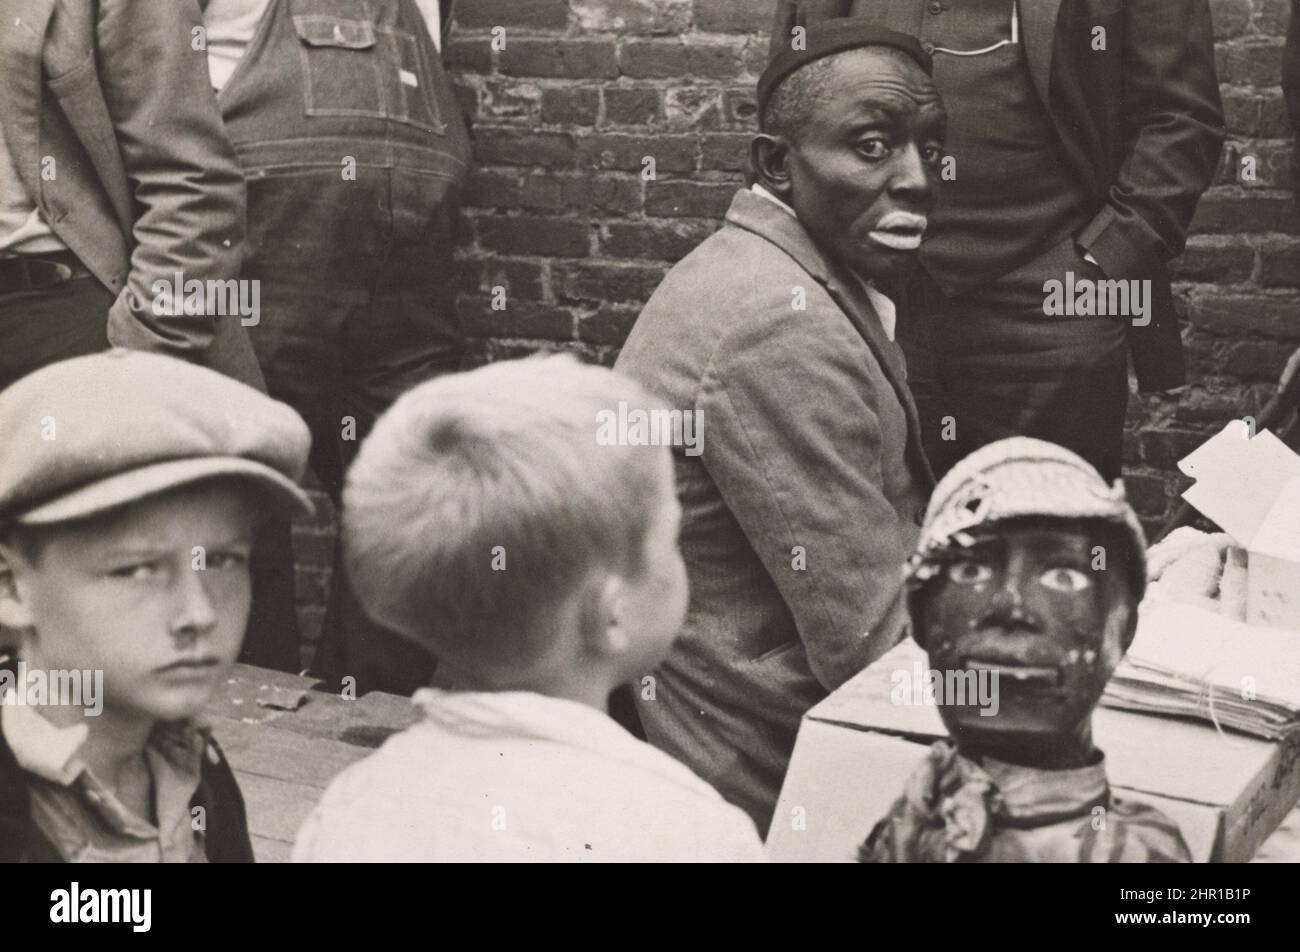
(901, 231)
(189, 666)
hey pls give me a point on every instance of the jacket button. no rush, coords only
(935, 8)
(929, 48)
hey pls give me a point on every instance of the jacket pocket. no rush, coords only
(357, 67)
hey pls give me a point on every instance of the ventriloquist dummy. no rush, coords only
(1028, 573)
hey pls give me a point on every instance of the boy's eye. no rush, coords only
(932, 154)
(136, 572)
(227, 560)
(1066, 580)
(874, 148)
(969, 572)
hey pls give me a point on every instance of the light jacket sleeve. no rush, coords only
(185, 180)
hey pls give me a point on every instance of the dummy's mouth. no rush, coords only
(901, 231)
(1020, 674)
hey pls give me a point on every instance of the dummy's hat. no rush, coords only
(1019, 477)
(828, 38)
(83, 436)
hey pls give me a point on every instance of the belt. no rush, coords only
(39, 272)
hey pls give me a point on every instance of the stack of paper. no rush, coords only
(1189, 662)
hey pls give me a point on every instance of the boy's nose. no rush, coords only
(195, 613)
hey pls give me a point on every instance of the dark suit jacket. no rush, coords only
(145, 183)
(1142, 125)
(803, 506)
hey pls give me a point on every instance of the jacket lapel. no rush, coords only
(1038, 29)
(22, 35)
(763, 217)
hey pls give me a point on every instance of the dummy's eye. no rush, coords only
(932, 154)
(1066, 580)
(969, 572)
(875, 148)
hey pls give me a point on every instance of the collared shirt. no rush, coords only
(81, 816)
(22, 226)
(884, 306)
(232, 24)
(517, 776)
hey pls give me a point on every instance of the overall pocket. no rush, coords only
(357, 67)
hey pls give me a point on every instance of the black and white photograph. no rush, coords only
(650, 431)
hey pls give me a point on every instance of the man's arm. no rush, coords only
(791, 437)
(1173, 124)
(186, 183)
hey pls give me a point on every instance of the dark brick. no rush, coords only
(725, 151)
(633, 105)
(536, 14)
(1249, 64)
(571, 105)
(466, 101)
(528, 235)
(1213, 408)
(1274, 121)
(631, 16)
(609, 325)
(627, 152)
(674, 59)
(523, 280)
(1280, 265)
(602, 281)
(1220, 263)
(677, 199)
(1147, 494)
(549, 191)
(513, 147)
(740, 107)
(1232, 314)
(510, 99)
(311, 619)
(1241, 113)
(1231, 18)
(313, 549)
(654, 240)
(560, 59)
(1220, 213)
(1253, 360)
(1272, 18)
(693, 107)
(310, 586)
(517, 319)
(469, 55)
(1164, 448)
(734, 16)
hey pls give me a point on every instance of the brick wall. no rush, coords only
(562, 214)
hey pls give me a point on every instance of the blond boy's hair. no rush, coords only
(482, 501)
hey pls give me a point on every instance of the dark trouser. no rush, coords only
(989, 364)
(71, 320)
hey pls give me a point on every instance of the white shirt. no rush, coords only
(517, 776)
(231, 25)
(884, 306)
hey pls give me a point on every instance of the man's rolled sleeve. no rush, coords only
(186, 182)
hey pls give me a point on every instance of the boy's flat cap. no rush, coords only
(835, 36)
(87, 435)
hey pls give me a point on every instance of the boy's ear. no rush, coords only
(769, 156)
(602, 618)
(13, 613)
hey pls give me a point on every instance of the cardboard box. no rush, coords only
(1250, 486)
(856, 749)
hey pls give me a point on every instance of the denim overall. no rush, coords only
(355, 155)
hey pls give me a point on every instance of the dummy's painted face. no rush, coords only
(1047, 607)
